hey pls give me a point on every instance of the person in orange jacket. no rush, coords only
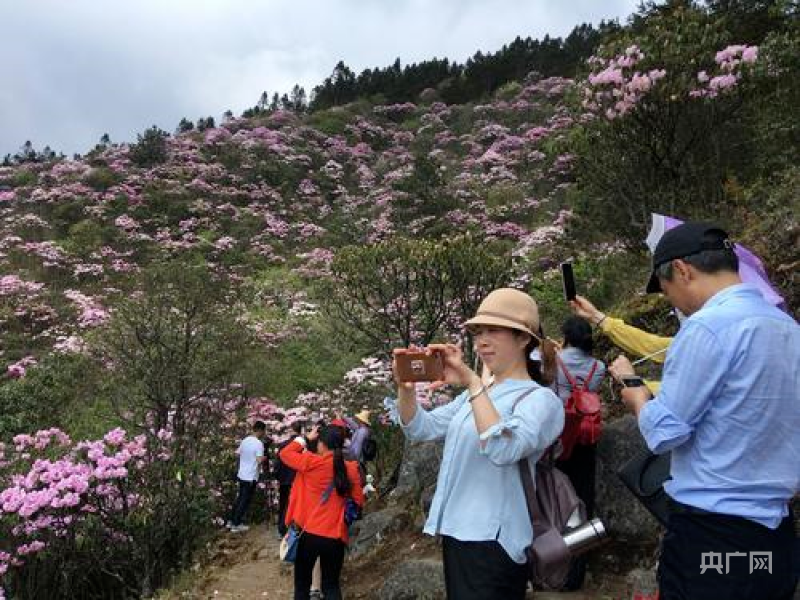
(322, 486)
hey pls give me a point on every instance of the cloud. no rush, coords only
(75, 70)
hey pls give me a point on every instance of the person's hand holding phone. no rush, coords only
(585, 309)
(456, 371)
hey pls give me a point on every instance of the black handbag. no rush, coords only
(644, 475)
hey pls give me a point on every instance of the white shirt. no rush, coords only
(250, 450)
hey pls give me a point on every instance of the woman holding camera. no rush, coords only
(323, 483)
(479, 507)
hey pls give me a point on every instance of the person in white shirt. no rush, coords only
(251, 455)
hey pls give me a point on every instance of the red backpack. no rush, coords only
(583, 421)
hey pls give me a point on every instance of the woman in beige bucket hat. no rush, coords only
(479, 506)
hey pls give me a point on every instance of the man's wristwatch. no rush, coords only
(632, 381)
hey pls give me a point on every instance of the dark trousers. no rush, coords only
(243, 497)
(580, 468)
(692, 536)
(283, 504)
(481, 571)
(330, 552)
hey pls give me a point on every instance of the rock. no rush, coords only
(426, 498)
(419, 469)
(642, 581)
(415, 580)
(375, 527)
(624, 516)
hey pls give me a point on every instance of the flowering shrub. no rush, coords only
(615, 85)
(729, 64)
(90, 519)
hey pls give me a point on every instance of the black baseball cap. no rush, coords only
(684, 240)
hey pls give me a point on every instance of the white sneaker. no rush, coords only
(240, 528)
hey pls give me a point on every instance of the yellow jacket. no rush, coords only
(636, 341)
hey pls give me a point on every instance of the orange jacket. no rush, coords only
(314, 476)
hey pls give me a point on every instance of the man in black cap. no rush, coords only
(729, 411)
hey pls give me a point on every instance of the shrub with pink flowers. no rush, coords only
(94, 519)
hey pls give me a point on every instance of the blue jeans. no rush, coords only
(246, 489)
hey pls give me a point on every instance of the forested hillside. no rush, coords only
(156, 294)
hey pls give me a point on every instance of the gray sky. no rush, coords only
(73, 70)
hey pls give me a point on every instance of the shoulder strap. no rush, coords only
(323, 499)
(572, 382)
(521, 397)
(588, 379)
(546, 460)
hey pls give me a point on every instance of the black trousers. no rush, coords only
(283, 504)
(330, 552)
(580, 468)
(697, 539)
(243, 497)
(481, 571)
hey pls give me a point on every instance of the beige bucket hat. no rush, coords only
(507, 307)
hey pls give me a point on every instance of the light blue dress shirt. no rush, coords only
(479, 494)
(729, 408)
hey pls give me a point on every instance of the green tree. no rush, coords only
(184, 125)
(150, 148)
(177, 348)
(671, 153)
(411, 291)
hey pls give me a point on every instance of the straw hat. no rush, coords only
(363, 416)
(510, 308)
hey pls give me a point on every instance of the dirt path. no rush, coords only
(259, 574)
(243, 566)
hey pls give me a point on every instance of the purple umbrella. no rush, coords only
(751, 269)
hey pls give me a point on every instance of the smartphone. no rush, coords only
(419, 365)
(568, 279)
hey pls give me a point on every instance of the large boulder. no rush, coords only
(418, 470)
(376, 527)
(415, 580)
(624, 516)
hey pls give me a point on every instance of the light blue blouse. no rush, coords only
(479, 494)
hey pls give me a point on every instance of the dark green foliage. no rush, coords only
(770, 212)
(671, 154)
(87, 236)
(479, 76)
(24, 177)
(405, 291)
(52, 394)
(205, 123)
(179, 341)
(150, 148)
(315, 360)
(101, 178)
(184, 125)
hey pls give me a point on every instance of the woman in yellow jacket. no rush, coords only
(629, 338)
